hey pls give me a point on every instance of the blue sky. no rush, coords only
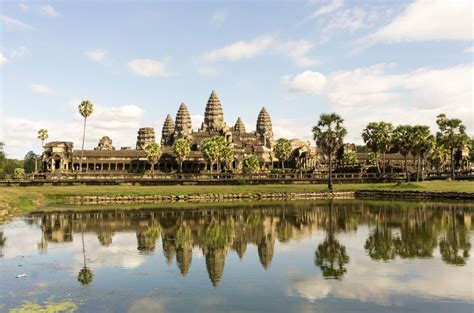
(401, 61)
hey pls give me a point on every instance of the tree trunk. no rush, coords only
(330, 174)
(83, 138)
(452, 163)
(383, 160)
(418, 169)
(422, 168)
(152, 170)
(180, 166)
(406, 169)
(282, 165)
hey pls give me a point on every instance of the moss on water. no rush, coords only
(48, 306)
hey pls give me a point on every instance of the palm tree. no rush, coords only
(402, 140)
(181, 148)
(329, 135)
(42, 135)
(422, 143)
(282, 150)
(438, 157)
(85, 274)
(452, 134)
(153, 154)
(86, 108)
(378, 137)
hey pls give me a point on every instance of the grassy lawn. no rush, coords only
(29, 198)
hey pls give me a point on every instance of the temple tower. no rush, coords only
(183, 126)
(239, 126)
(167, 131)
(146, 135)
(213, 115)
(264, 128)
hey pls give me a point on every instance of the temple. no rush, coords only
(61, 157)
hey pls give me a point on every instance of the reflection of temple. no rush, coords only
(409, 232)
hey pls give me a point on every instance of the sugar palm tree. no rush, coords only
(86, 108)
(329, 136)
(153, 154)
(85, 274)
(282, 150)
(42, 135)
(181, 149)
(378, 137)
(402, 140)
(422, 143)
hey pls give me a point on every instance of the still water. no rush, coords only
(341, 256)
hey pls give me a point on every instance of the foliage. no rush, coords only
(153, 154)
(85, 276)
(19, 173)
(211, 149)
(42, 135)
(282, 150)
(378, 138)
(373, 158)
(86, 108)
(29, 162)
(349, 158)
(251, 163)
(181, 149)
(329, 135)
(226, 153)
(438, 157)
(402, 139)
(331, 257)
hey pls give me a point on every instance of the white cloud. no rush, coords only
(469, 49)
(295, 50)
(149, 67)
(12, 24)
(218, 18)
(3, 59)
(43, 89)
(20, 52)
(416, 97)
(427, 20)
(48, 10)
(98, 55)
(347, 20)
(328, 8)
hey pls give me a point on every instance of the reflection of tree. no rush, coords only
(454, 245)
(147, 239)
(85, 274)
(380, 244)
(331, 257)
(184, 249)
(284, 231)
(3, 240)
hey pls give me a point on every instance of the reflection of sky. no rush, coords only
(124, 278)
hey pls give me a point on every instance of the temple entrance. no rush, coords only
(57, 163)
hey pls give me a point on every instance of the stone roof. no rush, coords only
(239, 126)
(183, 126)
(167, 131)
(213, 115)
(264, 123)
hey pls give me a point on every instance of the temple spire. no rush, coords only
(239, 126)
(264, 128)
(183, 126)
(167, 131)
(213, 115)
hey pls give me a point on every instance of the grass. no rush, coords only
(30, 198)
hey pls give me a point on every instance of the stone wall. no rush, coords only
(412, 195)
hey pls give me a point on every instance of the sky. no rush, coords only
(136, 61)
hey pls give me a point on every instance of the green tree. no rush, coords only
(153, 155)
(452, 135)
(402, 140)
(29, 162)
(349, 158)
(19, 173)
(282, 150)
(329, 136)
(181, 149)
(422, 143)
(210, 149)
(86, 108)
(454, 245)
(378, 137)
(251, 163)
(42, 135)
(438, 157)
(2, 158)
(226, 154)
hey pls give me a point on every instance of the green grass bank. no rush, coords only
(23, 199)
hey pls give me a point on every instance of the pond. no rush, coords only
(309, 256)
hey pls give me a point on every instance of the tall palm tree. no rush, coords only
(329, 136)
(86, 108)
(422, 143)
(378, 137)
(42, 135)
(402, 140)
(181, 149)
(153, 154)
(85, 274)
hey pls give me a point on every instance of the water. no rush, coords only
(341, 256)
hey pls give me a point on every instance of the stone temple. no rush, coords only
(61, 157)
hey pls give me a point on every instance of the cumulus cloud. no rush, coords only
(150, 67)
(43, 89)
(48, 10)
(13, 24)
(427, 20)
(295, 50)
(98, 55)
(328, 8)
(416, 96)
(3, 59)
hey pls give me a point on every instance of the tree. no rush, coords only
(329, 136)
(42, 135)
(378, 137)
(251, 163)
(85, 274)
(29, 162)
(211, 149)
(282, 150)
(19, 173)
(437, 157)
(181, 149)
(422, 143)
(226, 154)
(402, 140)
(452, 135)
(2, 157)
(153, 154)
(349, 158)
(86, 108)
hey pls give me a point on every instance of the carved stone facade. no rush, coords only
(146, 135)
(105, 143)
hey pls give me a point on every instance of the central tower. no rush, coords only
(213, 115)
